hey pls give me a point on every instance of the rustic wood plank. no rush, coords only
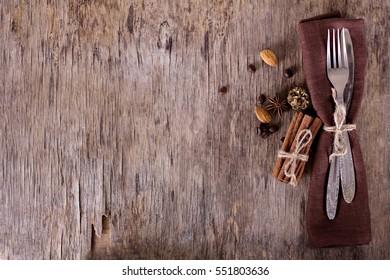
(112, 109)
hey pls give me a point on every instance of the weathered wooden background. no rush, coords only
(111, 121)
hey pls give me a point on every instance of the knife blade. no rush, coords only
(351, 66)
(347, 172)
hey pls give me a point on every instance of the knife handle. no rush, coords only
(332, 188)
(347, 172)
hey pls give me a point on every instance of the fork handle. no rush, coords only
(332, 189)
(347, 172)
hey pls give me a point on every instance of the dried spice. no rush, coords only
(264, 134)
(222, 90)
(264, 130)
(261, 99)
(269, 57)
(273, 128)
(283, 169)
(252, 68)
(288, 73)
(264, 127)
(277, 105)
(298, 98)
(262, 114)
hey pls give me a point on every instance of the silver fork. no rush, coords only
(338, 74)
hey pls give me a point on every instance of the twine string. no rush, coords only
(339, 145)
(303, 139)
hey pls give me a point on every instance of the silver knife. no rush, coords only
(347, 171)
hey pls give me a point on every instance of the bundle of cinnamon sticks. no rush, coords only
(299, 122)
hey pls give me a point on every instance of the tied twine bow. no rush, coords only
(339, 145)
(303, 139)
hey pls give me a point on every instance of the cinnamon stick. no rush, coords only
(314, 128)
(288, 139)
(306, 122)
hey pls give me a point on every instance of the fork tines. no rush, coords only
(337, 55)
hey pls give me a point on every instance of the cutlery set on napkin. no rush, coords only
(334, 56)
(339, 58)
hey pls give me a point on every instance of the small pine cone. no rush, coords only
(298, 98)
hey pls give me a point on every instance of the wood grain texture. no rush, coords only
(110, 108)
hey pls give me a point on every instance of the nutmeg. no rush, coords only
(269, 57)
(262, 114)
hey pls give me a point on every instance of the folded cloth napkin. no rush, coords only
(351, 225)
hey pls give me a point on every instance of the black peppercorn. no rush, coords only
(273, 128)
(264, 134)
(264, 127)
(288, 73)
(223, 90)
(251, 68)
(261, 99)
(282, 139)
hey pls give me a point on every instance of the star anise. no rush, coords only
(278, 105)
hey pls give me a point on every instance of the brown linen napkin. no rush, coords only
(351, 225)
